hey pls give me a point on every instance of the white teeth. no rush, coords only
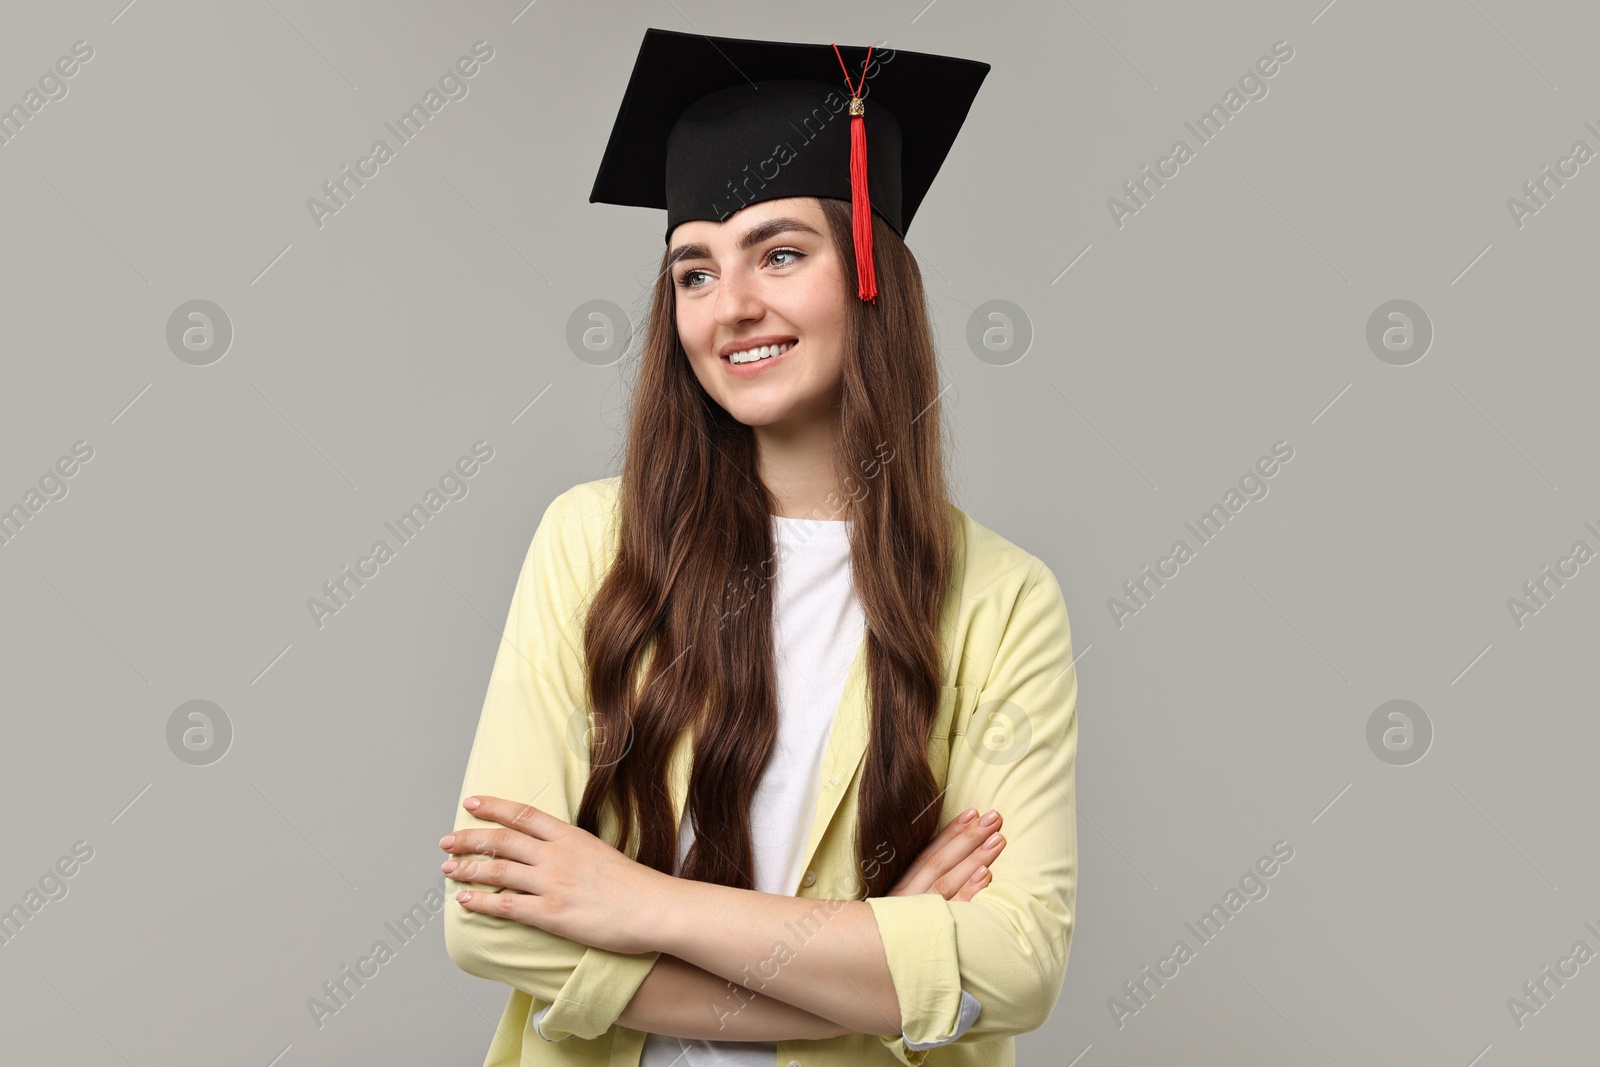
(750, 355)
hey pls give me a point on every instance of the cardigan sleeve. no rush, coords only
(532, 745)
(1008, 946)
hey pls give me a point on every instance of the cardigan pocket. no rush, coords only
(956, 705)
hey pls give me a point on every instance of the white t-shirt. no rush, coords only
(817, 627)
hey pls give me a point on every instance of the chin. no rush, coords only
(759, 415)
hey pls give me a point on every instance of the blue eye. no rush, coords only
(796, 253)
(685, 282)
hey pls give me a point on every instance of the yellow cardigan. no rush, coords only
(1005, 737)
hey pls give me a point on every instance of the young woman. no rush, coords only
(723, 802)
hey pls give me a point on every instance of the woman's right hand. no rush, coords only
(955, 864)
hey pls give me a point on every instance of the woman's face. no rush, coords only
(767, 276)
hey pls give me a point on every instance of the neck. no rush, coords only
(796, 465)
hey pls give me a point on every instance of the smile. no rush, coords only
(750, 355)
(754, 356)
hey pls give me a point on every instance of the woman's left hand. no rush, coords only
(555, 876)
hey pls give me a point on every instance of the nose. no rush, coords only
(737, 300)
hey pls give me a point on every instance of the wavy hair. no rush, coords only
(689, 592)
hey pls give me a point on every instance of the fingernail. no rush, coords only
(977, 875)
(471, 803)
(447, 840)
(968, 815)
(991, 818)
(994, 839)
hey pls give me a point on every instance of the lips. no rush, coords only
(759, 366)
(748, 343)
(751, 355)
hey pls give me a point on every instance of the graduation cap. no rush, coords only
(710, 125)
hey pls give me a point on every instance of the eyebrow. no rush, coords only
(764, 232)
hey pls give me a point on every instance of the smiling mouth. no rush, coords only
(760, 352)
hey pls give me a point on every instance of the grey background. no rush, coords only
(1229, 313)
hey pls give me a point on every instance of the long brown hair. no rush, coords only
(691, 582)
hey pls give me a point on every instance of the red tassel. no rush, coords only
(860, 203)
(861, 209)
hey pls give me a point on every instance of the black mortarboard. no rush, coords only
(709, 125)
